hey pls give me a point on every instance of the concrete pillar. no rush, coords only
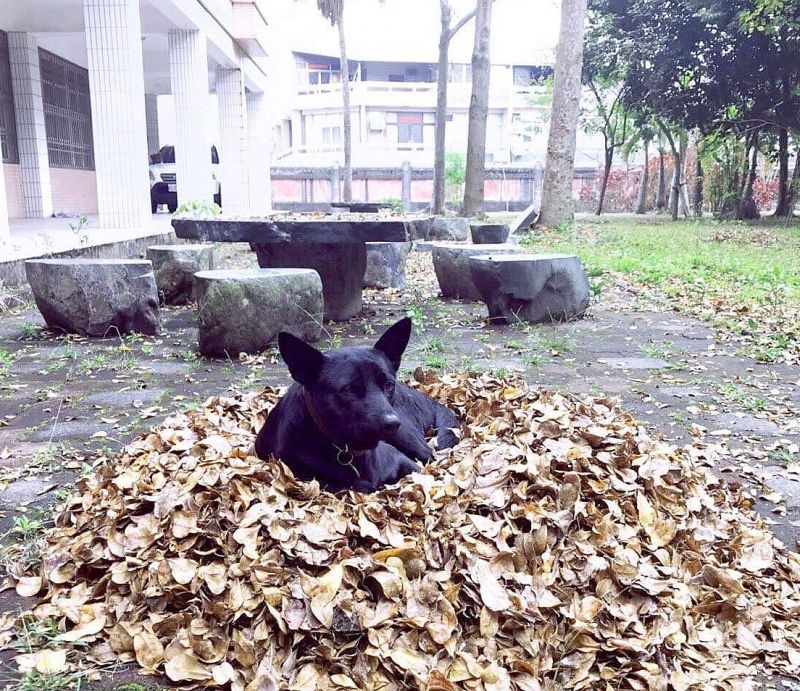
(116, 84)
(406, 186)
(336, 182)
(151, 118)
(363, 123)
(234, 159)
(23, 53)
(297, 131)
(259, 139)
(5, 232)
(188, 69)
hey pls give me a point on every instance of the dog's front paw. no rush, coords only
(404, 467)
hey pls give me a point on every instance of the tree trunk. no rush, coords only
(557, 204)
(661, 185)
(748, 209)
(795, 186)
(683, 187)
(478, 111)
(441, 109)
(609, 158)
(347, 131)
(697, 194)
(783, 209)
(677, 163)
(641, 202)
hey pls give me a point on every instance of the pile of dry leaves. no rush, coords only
(557, 546)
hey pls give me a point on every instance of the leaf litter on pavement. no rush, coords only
(558, 545)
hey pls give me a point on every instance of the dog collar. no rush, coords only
(344, 454)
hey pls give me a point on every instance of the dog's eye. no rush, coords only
(345, 390)
(388, 386)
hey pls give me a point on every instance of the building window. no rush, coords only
(527, 75)
(331, 136)
(460, 72)
(8, 125)
(409, 128)
(67, 112)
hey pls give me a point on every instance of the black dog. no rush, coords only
(347, 422)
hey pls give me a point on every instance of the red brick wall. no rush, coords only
(74, 191)
(13, 177)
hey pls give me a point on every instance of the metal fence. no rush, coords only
(67, 112)
(8, 126)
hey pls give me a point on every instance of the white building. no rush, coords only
(78, 86)
(393, 61)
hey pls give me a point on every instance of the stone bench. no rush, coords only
(242, 311)
(95, 297)
(386, 264)
(489, 233)
(540, 288)
(174, 267)
(451, 264)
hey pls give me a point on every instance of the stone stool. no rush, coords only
(242, 311)
(489, 233)
(95, 297)
(386, 264)
(174, 267)
(541, 288)
(451, 263)
(449, 228)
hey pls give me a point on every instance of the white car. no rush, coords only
(163, 182)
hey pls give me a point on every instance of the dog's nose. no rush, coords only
(391, 423)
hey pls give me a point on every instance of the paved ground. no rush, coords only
(64, 400)
(32, 237)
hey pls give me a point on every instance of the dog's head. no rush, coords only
(351, 389)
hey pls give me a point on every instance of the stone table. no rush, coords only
(362, 207)
(334, 246)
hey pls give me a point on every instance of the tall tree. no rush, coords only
(478, 111)
(445, 36)
(557, 206)
(333, 10)
(611, 120)
(645, 136)
(714, 66)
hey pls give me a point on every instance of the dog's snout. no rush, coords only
(391, 423)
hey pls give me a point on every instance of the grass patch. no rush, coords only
(741, 277)
(753, 259)
(7, 359)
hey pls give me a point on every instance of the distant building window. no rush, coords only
(460, 72)
(67, 112)
(526, 75)
(409, 128)
(331, 136)
(8, 126)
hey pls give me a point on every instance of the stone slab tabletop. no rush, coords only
(297, 230)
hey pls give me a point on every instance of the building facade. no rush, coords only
(78, 117)
(394, 112)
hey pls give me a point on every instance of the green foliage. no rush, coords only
(200, 208)
(78, 228)
(30, 331)
(396, 204)
(455, 172)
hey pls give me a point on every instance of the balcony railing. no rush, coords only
(369, 87)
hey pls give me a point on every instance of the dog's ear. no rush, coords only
(304, 361)
(394, 341)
